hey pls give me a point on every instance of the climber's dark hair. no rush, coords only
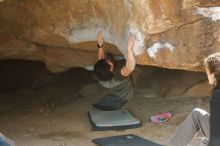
(102, 70)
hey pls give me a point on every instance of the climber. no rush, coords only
(115, 76)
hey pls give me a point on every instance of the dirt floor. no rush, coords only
(39, 108)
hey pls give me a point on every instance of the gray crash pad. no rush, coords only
(113, 120)
(124, 140)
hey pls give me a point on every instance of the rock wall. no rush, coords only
(174, 34)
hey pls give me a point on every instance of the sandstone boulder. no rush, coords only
(174, 34)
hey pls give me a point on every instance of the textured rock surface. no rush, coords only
(172, 34)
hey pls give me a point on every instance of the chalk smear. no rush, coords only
(211, 12)
(153, 50)
(139, 42)
(88, 32)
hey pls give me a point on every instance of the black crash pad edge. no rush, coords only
(143, 141)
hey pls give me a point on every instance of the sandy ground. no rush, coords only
(53, 112)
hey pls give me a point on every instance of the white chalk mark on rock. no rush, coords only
(152, 51)
(139, 42)
(211, 12)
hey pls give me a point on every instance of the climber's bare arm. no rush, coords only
(100, 40)
(130, 59)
